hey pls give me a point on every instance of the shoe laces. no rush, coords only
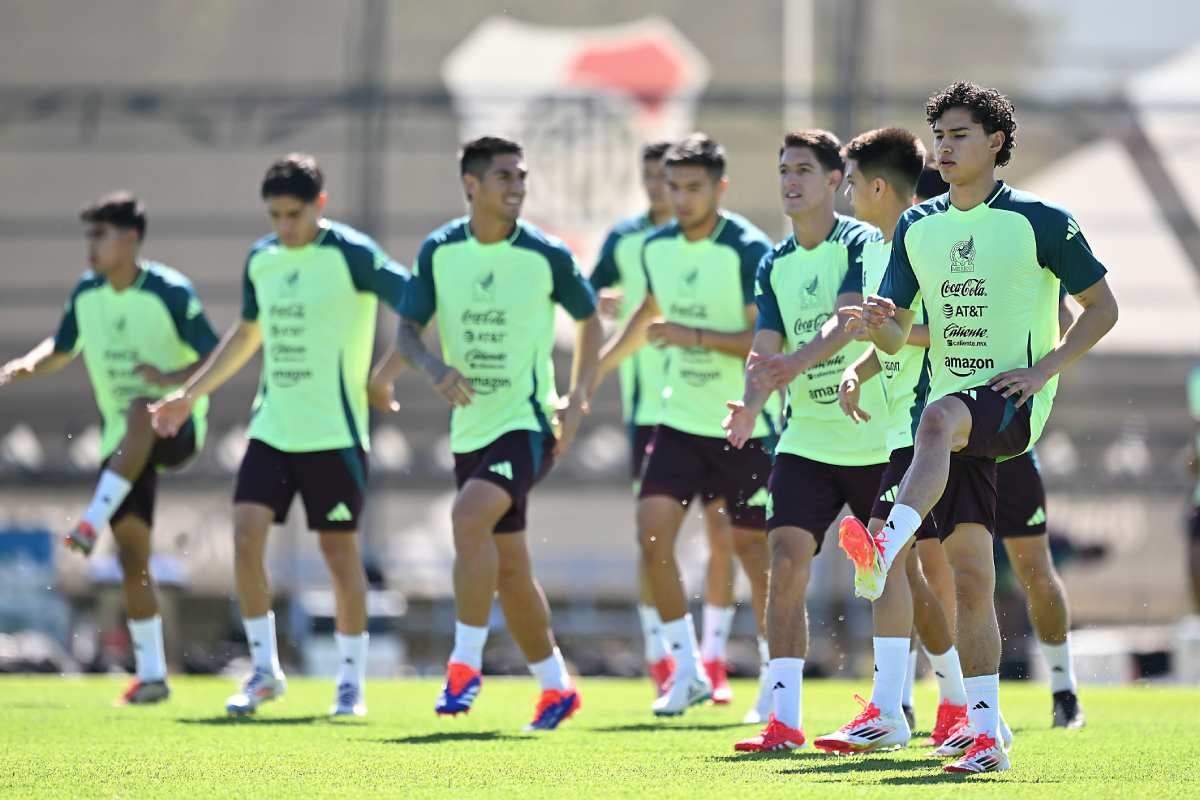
(982, 742)
(869, 712)
(948, 719)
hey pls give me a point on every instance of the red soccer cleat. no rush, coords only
(775, 736)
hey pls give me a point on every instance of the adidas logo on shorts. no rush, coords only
(503, 469)
(340, 513)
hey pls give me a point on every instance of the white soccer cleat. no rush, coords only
(260, 687)
(868, 732)
(984, 755)
(762, 708)
(349, 701)
(685, 691)
(963, 737)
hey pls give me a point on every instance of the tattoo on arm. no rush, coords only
(411, 348)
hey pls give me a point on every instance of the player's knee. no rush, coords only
(137, 415)
(937, 423)
(749, 545)
(512, 572)
(973, 585)
(790, 561)
(135, 562)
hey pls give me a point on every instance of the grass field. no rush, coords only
(62, 738)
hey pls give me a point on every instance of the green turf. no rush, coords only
(61, 737)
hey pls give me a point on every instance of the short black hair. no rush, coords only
(655, 151)
(930, 184)
(476, 155)
(894, 154)
(121, 209)
(824, 145)
(991, 109)
(698, 150)
(295, 175)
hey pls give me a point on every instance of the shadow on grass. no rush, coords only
(247, 720)
(459, 736)
(644, 727)
(845, 765)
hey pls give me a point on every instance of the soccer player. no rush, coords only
(142, 331)
(310, 292)
(989, 259)
(1193, 400)
(824, 460)
(494, 279)
(699, 306)
(642, 375)
(882, 170)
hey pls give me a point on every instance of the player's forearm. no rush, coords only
(628, 341)
(866, 366)
(734, 344)
(390, 366)
(410, 348)
(1088, 329)
(918, 336)
(766, 343)
(828, 342)
(585, 361)
(43, 359)
(183, 375)
(889, 336)
(238, 345)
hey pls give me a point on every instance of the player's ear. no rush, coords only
(835, 177)
(322, 201)
(722, 186)
(995, 141)
(470, 184)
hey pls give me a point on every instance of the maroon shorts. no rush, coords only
(639, 446)
(1194, 525)
(889, 486)
(809, 494)
(683, 465)
(515, 462)
(332, 484)
(167, 453)
(1021, 508)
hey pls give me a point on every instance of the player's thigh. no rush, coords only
(478, 506)
(935, 566)
(969, 551)
(717, 526)
(946, 419)
(511, 464)
(265, 479)
(998, 427)
(659, 518)
(803, 495)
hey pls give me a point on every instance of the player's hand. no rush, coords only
(170, 413)
(609, 304)
(852, 322)
(664, 334)
(15, 370)
(771, 373)
(738, 424)
(849, 391)
(874, 311)
(1020, 384)
(151, 374)
(567, 420)
(382, 396)
(454, 387)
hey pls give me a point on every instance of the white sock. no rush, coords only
(891, 666)
(1058, 660)
(681, 637)
(983, 704)
(468, 644)
(786, 676)
(948, 671)
(111, 491)
(910, 677)
(717, 622)
(148, 648)
(551, 672)
(260, 633)
(764, 655)
(901, 525)
(652, 640)
(352, 657)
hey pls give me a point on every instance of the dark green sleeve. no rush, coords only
(420, 297)
(852, 282)
(373, 271)
(1062, 249)
(191, 323)
(752, 254)
(249, 298)
(606, 273)
(66, 340)
(570, 290)
(899, 281)
(769, 316)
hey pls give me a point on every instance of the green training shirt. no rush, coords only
(990, 280)
(706, 284)
(797, 291)
(158, 320)
(620, 264)
(495, 308)
(905, 376)
(315, 306)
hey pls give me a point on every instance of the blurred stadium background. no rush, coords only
(185, 104)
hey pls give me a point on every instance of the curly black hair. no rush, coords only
(988, 107)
